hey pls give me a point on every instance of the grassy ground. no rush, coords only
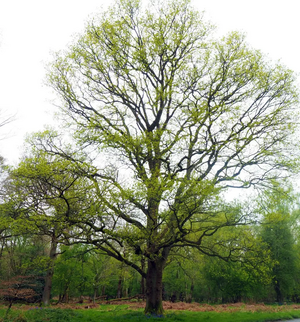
(124, 313)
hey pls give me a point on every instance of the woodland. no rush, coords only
(171, 174)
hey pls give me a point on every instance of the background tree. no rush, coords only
(167, 118)
(277, 235)
(45, 202)
(21, 271)
(277, 232)
(104, 275)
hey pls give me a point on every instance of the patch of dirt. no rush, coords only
(178, 306)
(232, 307)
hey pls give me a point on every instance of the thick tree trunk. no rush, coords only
(49, 275)
(154, 287)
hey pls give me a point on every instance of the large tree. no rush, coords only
(167, 117)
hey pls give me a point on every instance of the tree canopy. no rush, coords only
(165, 118)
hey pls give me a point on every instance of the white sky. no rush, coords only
(31, 29)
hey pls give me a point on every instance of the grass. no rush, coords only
(122, 313)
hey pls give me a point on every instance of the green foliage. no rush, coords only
(73, 275)
(277, 235)
(81, 273)
(195, 276)
(231, 282)
(163, 119)
(23, 254)
(186, 116)
(276, 232)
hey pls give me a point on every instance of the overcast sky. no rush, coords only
(31, 29)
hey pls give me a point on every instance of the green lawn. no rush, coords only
(123, 314)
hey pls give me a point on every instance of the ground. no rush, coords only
(231, 307)
(182, 306)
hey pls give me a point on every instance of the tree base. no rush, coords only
(154, 311)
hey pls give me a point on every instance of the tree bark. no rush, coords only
(154, 287)
(279, 297)
(143, 278)
(119, 292)
(49, 275)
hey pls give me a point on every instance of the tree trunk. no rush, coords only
(154, 287)
(279, 297)
(119, 292)
(143, 278)
(95, 295)
(65, 296)
(49, 275)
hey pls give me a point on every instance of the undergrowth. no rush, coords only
(125, 314)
